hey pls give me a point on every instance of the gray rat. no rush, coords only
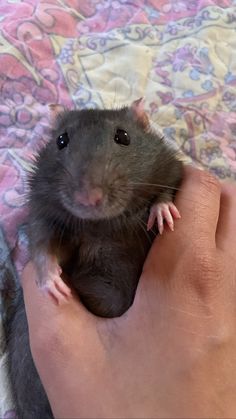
(96, 191)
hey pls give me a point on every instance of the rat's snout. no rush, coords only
(93, 197)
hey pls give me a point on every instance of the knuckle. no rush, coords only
(206, 275)
(201, 258)
(209, 182)
(206, 263)
(222, 334)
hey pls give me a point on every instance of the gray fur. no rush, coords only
(101, 252)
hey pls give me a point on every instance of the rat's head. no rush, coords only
(98, 158)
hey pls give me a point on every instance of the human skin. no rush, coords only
(173, 354)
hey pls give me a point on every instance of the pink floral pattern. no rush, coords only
(178, 54)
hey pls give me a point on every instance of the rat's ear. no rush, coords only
(55, 111)
(137, 108)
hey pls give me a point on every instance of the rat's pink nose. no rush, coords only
(95, 196)
(91, 198)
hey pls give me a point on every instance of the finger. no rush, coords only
(226, 228)
(198, 202)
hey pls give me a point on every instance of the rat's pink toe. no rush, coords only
(174, 211)
(50, 289)
(151, 219)
(160, 222)
(62, 287)
(57, 289)
(163, 211)
(168, 217)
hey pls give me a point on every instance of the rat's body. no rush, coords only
(90, 198)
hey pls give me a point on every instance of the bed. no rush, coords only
(177, 54)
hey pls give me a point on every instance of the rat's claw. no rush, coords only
(163, 212)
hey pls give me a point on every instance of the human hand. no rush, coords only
(173, 354)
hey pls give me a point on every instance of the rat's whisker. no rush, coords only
(143, 227)
(114, 98)
(135, 232)
(66, 170)
(158, 185)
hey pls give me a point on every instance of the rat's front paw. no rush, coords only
(163, 212)
(56, 287)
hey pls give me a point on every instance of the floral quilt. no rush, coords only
(179, 55)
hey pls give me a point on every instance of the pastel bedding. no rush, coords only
(178, 54)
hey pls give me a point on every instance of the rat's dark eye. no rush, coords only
(62, 140)
(122, 137)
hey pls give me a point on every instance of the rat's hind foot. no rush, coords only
(163, 212)
(49, 279)
(56, 287)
